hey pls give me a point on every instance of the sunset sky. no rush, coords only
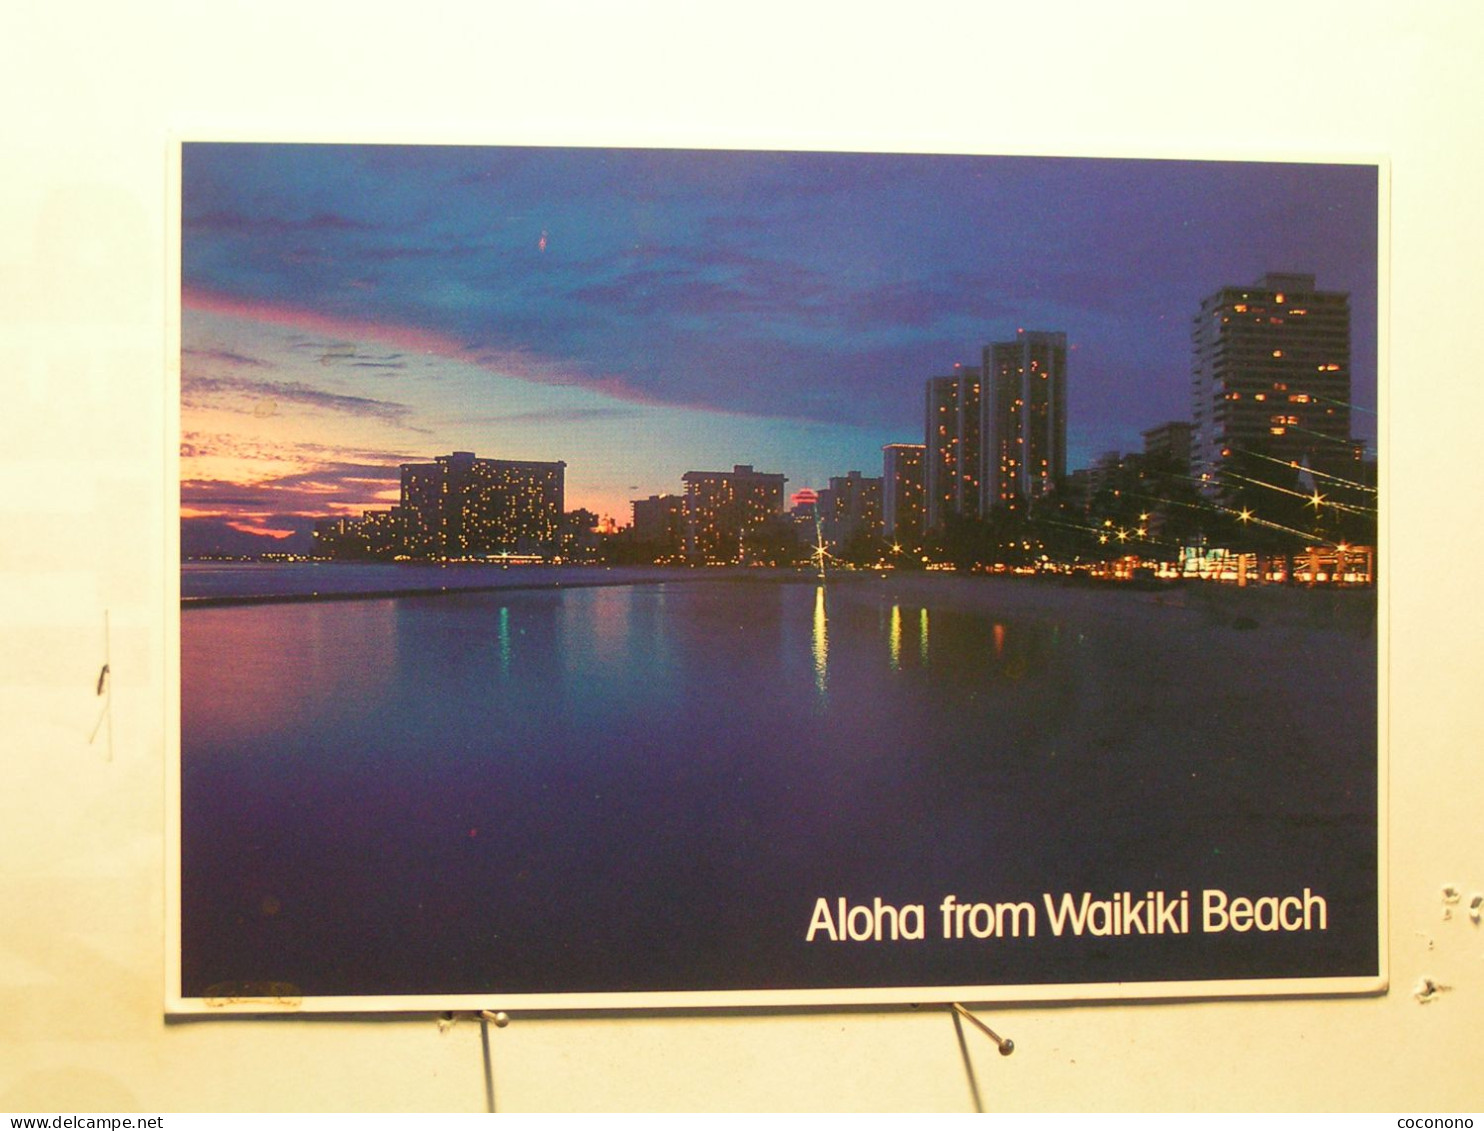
(643, 313)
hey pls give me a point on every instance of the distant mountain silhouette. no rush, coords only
(200, 536)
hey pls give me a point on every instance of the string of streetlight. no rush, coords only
(1325, 475)
(1313, 499)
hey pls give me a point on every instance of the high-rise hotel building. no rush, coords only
(722, 507)
(459, 506)
(1025, 418)
(904, 512)
(952, 431)
(849, 507)
(1271, 374)
(996, 436)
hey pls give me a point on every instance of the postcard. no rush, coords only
(633, 578)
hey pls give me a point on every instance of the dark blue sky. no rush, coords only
(815, 291)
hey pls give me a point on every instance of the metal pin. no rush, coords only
(500, 1019)
(1006, 1046)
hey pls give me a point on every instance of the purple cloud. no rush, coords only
(230, 392)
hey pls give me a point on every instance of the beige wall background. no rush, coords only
(93, 95)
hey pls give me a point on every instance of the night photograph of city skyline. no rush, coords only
(717, 577)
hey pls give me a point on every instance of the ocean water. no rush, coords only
(651, 786)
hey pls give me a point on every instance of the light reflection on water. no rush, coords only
(505, 641)
(897, 633)
(895, 638)
(821, 648)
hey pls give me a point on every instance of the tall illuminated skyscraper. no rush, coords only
(1025, 418)
(1271, 375)
(952, 438)
(902, 488)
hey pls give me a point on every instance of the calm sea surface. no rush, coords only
(648, 786)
